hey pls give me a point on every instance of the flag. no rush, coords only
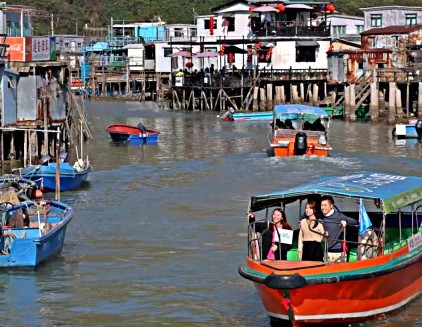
(364, 221)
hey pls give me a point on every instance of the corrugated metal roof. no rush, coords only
(394, 29)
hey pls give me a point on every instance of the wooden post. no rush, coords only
(45, 111)
(408, 105)
(420, 99)
(201, 100)
(302, 95)
(127, 79)
(399, 105)
(255, 98)
(325, 90)
(25, 148)
(333, 100)
(262, 99)
(346, 108)
(221, 100)
(282, 94)
(211, 103)
(392, 102)
(184, 98)
(241, 89)
(352, 110)
(269, 96)
(381, 101)
(57, 193)
(315, 97)
(374, 103)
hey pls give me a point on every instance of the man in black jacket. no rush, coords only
(335, 224)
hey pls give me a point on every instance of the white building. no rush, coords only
(346, 27)
(270, 39)
(391, 15)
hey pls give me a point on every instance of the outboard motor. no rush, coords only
(44, 160)
(418, 127)
(301, 144)
(64, 156)
(143, 129)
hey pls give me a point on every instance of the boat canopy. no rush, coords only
(394, 191)
(300, 109)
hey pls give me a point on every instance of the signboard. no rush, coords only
(179, 81)
(38, 48)
(286, 236)
(16, 49)
(415, 241)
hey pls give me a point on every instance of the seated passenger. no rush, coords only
(318, 126)
(272, 245)
(289, 124)
(307, 126)
(279, 124)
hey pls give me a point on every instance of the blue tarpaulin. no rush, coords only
(301, 109)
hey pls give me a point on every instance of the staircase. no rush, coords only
(362, 91)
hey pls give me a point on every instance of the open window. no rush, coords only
(306, 51)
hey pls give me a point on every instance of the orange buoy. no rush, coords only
(38, 194)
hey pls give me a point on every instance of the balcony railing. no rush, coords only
(290, 28)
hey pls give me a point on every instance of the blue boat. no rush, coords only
(44, 174)
(265, 116)
(413, 129)
(132, 134)
(32, 233)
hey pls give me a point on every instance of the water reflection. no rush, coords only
(159, 231)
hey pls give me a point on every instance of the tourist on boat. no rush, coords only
(272, 241)
(318, 126)
(279, 124)
(311, 234)
(289, 124)
(335, 225)
(307, 126)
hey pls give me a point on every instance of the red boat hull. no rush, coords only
(342, 300)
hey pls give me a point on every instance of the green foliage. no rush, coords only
(71, 15)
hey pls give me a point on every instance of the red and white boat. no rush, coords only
(381, 270)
